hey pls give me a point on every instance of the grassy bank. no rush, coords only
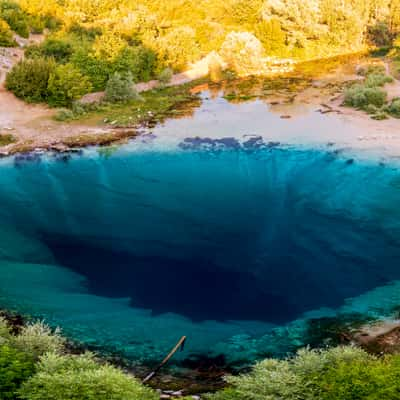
(147, 109)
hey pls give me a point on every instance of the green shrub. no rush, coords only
(81, 378)
(177, 48)
(38, 339)
(52, 23)
(15, 368)
(295, 378)
(37, 24)
(34, 51)
(85, 33)
(371, 69)
(59, 49)
(377, 80)
(394, 108)
(98, 71)
(380, 115)
(165, 76)
(6, 36)
(370, 379)
(28, 79)
(120, 88)
(66, 84)
(138, 60)
(65, 114)
(15, 17)
(361, 97)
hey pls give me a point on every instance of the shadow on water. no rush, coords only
(195, 288)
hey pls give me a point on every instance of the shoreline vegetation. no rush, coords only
(38, 363)
(107, 71)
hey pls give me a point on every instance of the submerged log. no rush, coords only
(178, 346)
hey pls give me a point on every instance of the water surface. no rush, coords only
(235, 230)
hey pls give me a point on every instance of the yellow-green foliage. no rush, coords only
(243, 53)
(341, 373)
(34, 366)
(81, 377)
(15, 368)
(66, 84)
(143, 37)
(179, 31)
(6, 36)
(38, 339)
(29, 78)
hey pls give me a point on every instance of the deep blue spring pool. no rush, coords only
(235, 246)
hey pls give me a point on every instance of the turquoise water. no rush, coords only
(236, 244)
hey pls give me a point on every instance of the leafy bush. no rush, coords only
(137, 60)
(15, 17)
(360, 96)
(377, 80)
(6, 36)
(83, 32)
(38, 339)
(394, 108)
(120, 88)
(66, 84)
(177, 48)
(366, 70)
(243, 53)
(361, 379)
(81, 378)
(108, 46)
(58, 49)
(98, 71)
(15, 368)
(37, 24)
(28, 79)
(65, 114)
(291, 379)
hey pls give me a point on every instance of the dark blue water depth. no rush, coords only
(237, 247)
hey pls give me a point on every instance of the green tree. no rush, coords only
(120, 88)
(28, 79)
(177, 48)
(66, 84)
